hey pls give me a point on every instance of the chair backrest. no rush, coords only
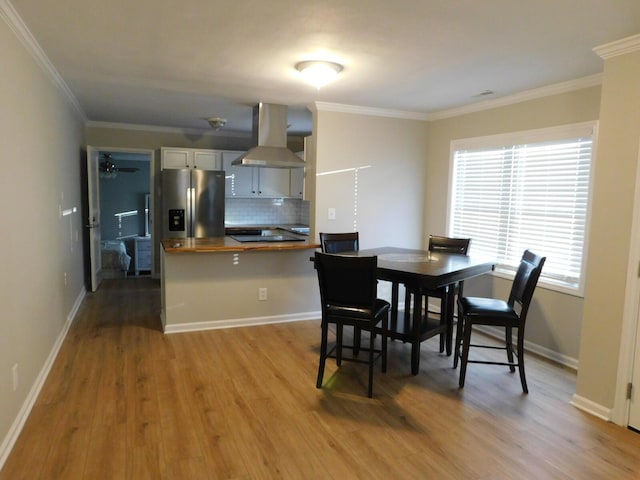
(448, 244)
(525, 281)
(339, 242)
(347, 281)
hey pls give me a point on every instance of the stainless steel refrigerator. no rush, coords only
(192, 203)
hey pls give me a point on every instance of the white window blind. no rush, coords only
(529, 195)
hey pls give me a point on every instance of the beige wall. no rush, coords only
(554, 321)
(609, 242)
(390, 193)
(42, 141)
(220, 289)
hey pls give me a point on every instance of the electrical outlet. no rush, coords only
(65, 279)
(14, 373)
(331, 214)
(262, 293)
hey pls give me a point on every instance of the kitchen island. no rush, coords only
(220, 282)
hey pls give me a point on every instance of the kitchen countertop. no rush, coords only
(228, 244)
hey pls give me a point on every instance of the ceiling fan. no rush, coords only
(110, 168)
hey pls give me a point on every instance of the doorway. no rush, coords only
(125, 207)
(626, 409)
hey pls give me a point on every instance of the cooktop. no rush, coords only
(266, 238)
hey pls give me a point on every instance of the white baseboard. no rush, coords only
(586, 405)
(17, 425)
(544, 352)
(552, 355)
(241, 322)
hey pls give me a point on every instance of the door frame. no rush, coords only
(630, 317)
(92, 222)
(152, 186)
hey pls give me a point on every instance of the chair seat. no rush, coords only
(381, 307)
(488, 311)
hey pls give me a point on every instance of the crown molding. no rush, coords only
(619, 47)
(374, 112)
(20, 29)
(161, 129)
(555, 89)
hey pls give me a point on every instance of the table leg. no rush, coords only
(415, 329)
(394, 306)
(450, 301)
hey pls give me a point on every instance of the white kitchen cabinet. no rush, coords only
(298, 175)
(296, 186)
(297, 183)
(173, 158)
(252, 182)
(238, 180)
(273, 182)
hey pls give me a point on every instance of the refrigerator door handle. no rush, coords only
(191, 206)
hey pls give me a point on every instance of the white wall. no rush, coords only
(40, 157)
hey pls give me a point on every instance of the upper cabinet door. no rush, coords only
(274, 182)
(297, 182)
(173, 158)
(207, 159)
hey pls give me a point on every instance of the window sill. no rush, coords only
(542, 283)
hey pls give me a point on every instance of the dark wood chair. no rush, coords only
(498, 313)
(348, 296)
(339, 242)
(440, 244)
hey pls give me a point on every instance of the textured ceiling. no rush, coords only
(175, 63)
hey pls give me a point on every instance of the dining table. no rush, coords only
(421, 270)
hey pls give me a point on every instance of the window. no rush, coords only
(526, 190)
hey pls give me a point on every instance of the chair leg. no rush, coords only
(372, 339)
(356, 340)
(523, 379)
(323, 353)
(459, 334)
(443, 320)
(465, 352)
(339, 331)
(385, 332)
(508, 339)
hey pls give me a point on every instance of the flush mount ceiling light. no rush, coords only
(319, 72)
(216, 122)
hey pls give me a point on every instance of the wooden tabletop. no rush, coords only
(228, 244)
(419, 268)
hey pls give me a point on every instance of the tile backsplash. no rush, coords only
(266, 211)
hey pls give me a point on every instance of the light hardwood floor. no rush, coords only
(124, 401)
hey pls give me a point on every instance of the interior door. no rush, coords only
(634, 404)
(93, 222)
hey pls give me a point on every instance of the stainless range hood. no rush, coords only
(270, 135)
